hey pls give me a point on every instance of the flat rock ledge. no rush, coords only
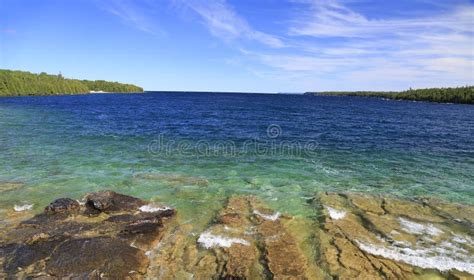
(351, 236)
(106, 237)
(246, 240)
(372, 237)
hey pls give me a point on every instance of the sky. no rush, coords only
(244, 45)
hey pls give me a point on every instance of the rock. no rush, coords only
(241, 261)
(97, 257)
(175, 179)
(245, 241)
(375, 237)
(109, 201)
(230, 219)
(206, 268)
(368, 203)
(8, 186)
(282, 254)
(176, 254)
(352, 236)
(453, 211)
(249, 241)
(62, 205)
(111, 244)
(411, 209)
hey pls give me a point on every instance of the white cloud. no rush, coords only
(132, 14)
(223, 22)
(329, 18)
(378, 53)
(329, 42)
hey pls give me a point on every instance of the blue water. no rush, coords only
(68, 145)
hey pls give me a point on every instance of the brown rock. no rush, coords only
(8, 186)
(368, 203)
(241, 261)
(109, 201)
(20, 256)
(411, 209)
(206, 268)
(100, 256)
(62, 206)
(111, 244)
(173, 178)
(360, 243)
(283, 256)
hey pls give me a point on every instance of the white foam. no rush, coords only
(209, 240)
(273, 217)
(463, 239)
(150, 208)
(417, 228)
(436, 257)
(81, 203)
(335, 214)
(25, 207)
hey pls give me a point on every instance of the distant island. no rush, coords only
(464, 95)
(21, 83)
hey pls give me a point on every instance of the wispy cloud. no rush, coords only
(328, 44)
(337, 42)
(223, 22)
(330, 18)
(133, 13)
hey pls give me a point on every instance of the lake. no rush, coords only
(193, 150)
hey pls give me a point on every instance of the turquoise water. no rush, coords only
(65, 146)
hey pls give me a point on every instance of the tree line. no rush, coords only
(464, 95)
(14, 83)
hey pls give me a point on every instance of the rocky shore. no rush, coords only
(106, 237)
(351, 236)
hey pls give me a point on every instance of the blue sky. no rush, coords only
(244, 45)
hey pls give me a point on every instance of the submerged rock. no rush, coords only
(246, 240)
(65, 241)
(97, 257)
(351, 236)
(174, 179)
(8, 186)
(383, 237)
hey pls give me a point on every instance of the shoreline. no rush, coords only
(458, 95)
(70, 94)
(375, 229)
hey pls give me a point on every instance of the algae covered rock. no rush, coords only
(9, 186)
(66, 241)
(97, 257)
(371, 237)
(350, 236)
(62, 205)
(174, 179)
(109, 201)
(252, 241)
(245, 240)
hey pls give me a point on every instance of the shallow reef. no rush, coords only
(351, 236)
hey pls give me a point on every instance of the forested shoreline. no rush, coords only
(21, 83)
(464, 95)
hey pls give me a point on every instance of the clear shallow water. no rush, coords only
(67, 145)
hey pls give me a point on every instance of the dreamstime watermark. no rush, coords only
(271, 145)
